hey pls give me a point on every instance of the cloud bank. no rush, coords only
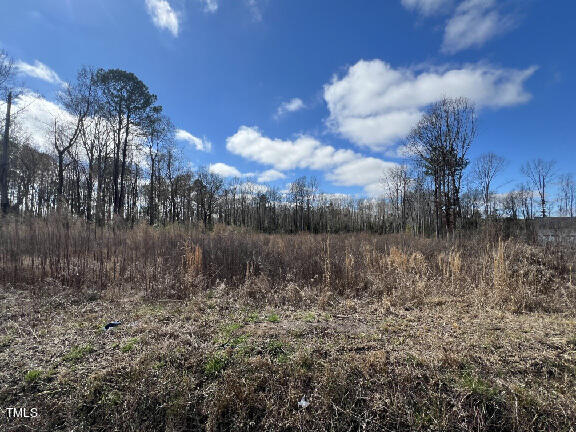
(342, 167)
(375, 105)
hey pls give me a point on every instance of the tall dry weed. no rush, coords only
(500, 276)
(167, 262)
(193, 260)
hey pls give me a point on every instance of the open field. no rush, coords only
(227, 331)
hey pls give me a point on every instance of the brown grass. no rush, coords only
(178, 262)
(227, 330)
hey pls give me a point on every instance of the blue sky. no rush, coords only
(275, 89)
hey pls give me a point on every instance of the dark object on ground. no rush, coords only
(112, 324)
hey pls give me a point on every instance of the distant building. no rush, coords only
(556, 229)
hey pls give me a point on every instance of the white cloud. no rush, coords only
(34, 117)
(197, 143)
(293, 105)
(210, 5)
(38, 70)
(427, 7)
(303, 152)
(163, 16)
(229, 171)
(343, 167)
(403, 151)
(225, 170)
(363, 171)
(473, 24)
(253, 6)
(254, 10)
(270, 176)
(375, 105)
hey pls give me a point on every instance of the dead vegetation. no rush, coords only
(227, 330)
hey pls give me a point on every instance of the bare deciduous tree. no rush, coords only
(78, 99)
(511, 204)
(396, 181)
(159, 133)
(540, 173)
(485, 168)
(6, 73)
(567, 195)
(441, 141)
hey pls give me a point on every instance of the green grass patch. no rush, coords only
(78, 353)
(478, 386)
(231, 328)
(273, 318)
(278, 350)
(253, 317)
(37, 375)
(33, 376)
(215, 364)
(130, 345)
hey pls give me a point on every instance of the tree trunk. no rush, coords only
(89, 187)
(151, 197)
(123, 168)
(60, 189)
(5, 203)
(116, 168)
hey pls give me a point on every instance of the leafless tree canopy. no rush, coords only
(539, 174)
(6, 71)
(485, 168)
(567, 195)
(441, 141)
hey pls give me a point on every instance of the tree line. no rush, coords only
(113, 158)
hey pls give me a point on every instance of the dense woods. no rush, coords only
(113, 158)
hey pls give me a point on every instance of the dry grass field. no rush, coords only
(228, 330)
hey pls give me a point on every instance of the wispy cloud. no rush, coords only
(254, 9)
(474, 23)
(163, 16)
(293, 105)
(198, 143)
(427, 7)
(210, 5)
(253, 6)
(38, 70)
